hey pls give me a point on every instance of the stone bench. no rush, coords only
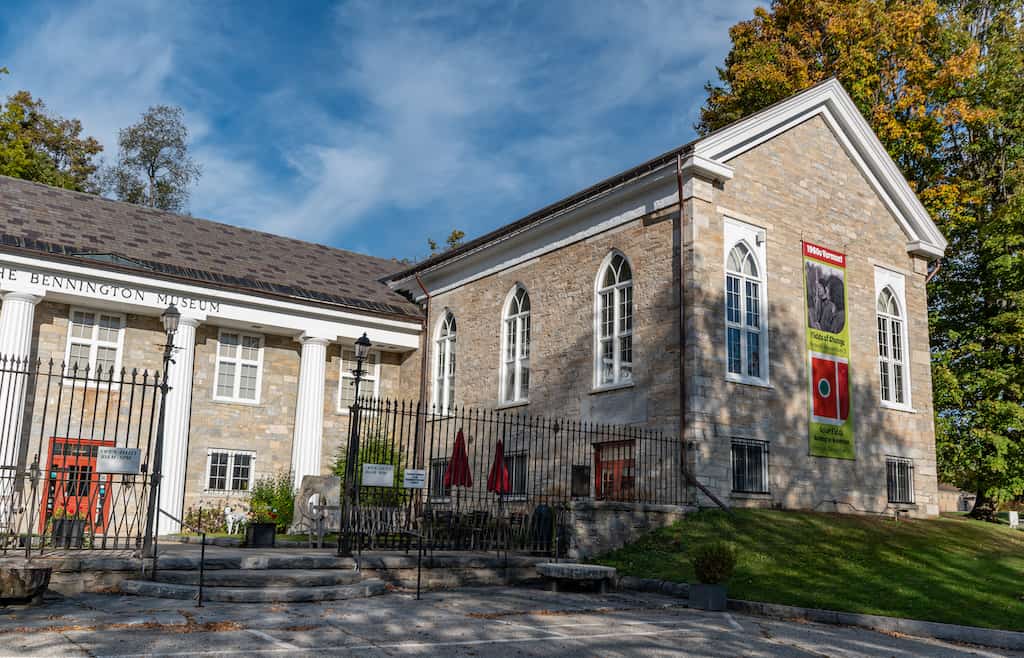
(557, 573)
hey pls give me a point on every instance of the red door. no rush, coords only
(73, 488)
(616, 470)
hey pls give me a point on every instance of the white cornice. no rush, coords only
(830, 101)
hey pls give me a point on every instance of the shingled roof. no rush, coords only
(109, 233)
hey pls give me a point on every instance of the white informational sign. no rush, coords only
(378, 475)
(415, 478)
(118, 460)
(1014, 520)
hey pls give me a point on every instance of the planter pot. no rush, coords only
(708, 597)
(68, 533)
(260, 535)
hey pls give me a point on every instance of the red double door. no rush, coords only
(73, 487)
(616, 470)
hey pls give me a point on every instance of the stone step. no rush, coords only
(261, 577)
(366, 588)
(258, 561)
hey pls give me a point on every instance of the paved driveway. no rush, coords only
(466, 622)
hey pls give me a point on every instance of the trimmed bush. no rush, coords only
(714, 562)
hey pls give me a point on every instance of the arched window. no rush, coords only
(744, 314)
(614, 362)
(515, 359)
(891, 364)
(444, 364)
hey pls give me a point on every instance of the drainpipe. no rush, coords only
(421, 418)
(681, 273)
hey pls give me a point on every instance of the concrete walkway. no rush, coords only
(473, 621)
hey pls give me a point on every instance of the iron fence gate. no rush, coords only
(549, 463)
(57, 488)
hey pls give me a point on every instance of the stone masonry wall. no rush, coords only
(600, 526)
(803, 186)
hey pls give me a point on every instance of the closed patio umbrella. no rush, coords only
(458, 474)
(498, 481)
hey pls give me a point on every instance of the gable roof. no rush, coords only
(92, 230)
(710, 154)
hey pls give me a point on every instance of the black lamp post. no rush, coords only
(170, 318)
(352, 454)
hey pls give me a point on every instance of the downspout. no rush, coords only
(421, 417)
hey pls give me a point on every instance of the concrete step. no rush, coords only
(261, 578)
(265, 560)
(366, 588)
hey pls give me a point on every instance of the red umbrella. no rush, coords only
(497, 481)
(457, 474)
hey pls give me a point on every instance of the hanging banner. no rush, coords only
(828, 348)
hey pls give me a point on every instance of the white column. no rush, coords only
(309, 409)
(16, 315)
(176, 425)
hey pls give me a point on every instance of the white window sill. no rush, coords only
(604, 388)
(102, 385)
(750, 495)
(226, 492)
(512, 405)
(246, 403)
(893, 406)
(749, 381)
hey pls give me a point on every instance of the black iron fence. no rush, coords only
(549, 462)
(74, 455)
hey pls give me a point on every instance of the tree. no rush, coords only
(153, 167)
(940, 84)
(453, 240)
(40, 146)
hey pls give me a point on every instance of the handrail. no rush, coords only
(202, 550)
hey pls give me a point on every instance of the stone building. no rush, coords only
(774, 320)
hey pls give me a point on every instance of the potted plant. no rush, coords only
(271, 504)
(67, 530)
(713, 564)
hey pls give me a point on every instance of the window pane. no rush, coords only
(82, 324)
(625, 358)
(883, 338)
(109, 328)
(753, 354)
(250, 348)
(226, 379)
(734, 354)
(884, 372)
(732, 299)
(607, 361)
(510, 340)
(510, 382)
(524, 338)
(247, 384)
(897, 340)
(607, 314)
(524, 379)
(626, 309)
(105, 359)
(228, 345)
(78, 358)
(897, 382)
(240, 472)
(753, 305)
(218, 470)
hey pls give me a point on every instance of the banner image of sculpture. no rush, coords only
(828, 349)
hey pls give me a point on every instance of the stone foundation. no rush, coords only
(601, 526)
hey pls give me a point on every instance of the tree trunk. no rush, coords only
(984, 508)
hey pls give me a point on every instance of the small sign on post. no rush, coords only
(414, 478)
(378, 475)
(1014, 519)
(118, 460)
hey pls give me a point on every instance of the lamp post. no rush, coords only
(170, 318)
(352, 453)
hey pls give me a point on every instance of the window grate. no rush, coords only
(749, 466)
(899, 480)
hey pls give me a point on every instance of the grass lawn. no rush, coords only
(952, 569)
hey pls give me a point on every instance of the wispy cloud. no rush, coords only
(362, 125)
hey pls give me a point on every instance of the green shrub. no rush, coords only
(714, 562)
(376, 448)
(206, 519)
(272, 500)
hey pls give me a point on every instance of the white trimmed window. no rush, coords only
(893, 367)
(749, 466)
(229, 470)
(239, 370)
(515, 361)
(745, 314)
(369, 385)
(444, 363)
(95, 342)
(438, 491)
(517, 474)
(899, 480)
(614, 318)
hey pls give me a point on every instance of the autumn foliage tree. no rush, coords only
(941, 84)
(40, 146)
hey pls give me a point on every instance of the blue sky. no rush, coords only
(371, 126)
